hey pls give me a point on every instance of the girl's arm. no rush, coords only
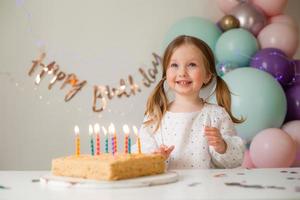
(234, 154)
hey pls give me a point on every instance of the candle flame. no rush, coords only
(111, 128)
(104, 130)
(135, 130)
(97, 128)
(76, 129)
(126, 129)
(91, 130)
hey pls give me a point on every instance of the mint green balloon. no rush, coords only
(258, 97)
(236, 46)
(197, 27)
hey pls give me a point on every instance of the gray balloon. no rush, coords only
(250, 17)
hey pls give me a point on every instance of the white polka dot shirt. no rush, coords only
(186, 132)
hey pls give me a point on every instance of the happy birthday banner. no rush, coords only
(101, 93)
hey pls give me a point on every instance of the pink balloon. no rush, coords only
(227, 5)
(271, 7)
(293, 129)
(247, 162)
(271, 148)
(285, 19)
(280, 36)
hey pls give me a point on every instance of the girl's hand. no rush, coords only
(214, 138)
(165, 150)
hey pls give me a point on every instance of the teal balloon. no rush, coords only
(236, 46)
(258, 97)
(224, 68)
(197, 27)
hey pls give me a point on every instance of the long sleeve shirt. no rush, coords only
(186, 132)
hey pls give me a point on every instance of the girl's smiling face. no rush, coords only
(186, 72)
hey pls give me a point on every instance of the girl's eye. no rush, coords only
(192, 65)
(173, 65)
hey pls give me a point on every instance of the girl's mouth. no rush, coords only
(183, 82)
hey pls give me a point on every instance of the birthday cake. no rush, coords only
(108, 166)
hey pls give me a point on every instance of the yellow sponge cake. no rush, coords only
(108, 166)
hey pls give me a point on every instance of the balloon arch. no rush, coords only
(254, 44)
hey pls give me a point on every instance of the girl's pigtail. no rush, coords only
(223, 96)
(156, 105)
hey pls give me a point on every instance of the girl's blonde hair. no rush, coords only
(157, 103)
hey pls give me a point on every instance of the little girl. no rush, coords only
(188, 131)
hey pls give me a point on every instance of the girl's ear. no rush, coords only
(207, 78)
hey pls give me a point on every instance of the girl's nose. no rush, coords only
(182, 71)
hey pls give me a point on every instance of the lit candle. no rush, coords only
(126, 131)
(129, 145)
(112, 131)
(91, 139)
(97, 132)
(106, 138)
(116, 142)
(77, 140)
(135, 130)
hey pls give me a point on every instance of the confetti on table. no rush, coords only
(244, 185)
(4, 187)
(276, 187)
(233, 184)
(220, 175)
(255, 186)
(194, 184)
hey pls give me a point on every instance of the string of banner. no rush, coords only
(101, 93)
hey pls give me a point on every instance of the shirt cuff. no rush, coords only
(233, 157)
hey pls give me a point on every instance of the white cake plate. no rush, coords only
(59, 181)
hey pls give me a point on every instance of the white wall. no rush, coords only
(99, 41)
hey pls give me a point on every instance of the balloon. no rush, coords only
(223, 68)
(296, 77)
(271, 7)
(229, 22)
(236, 46)
(275, 62)
(247, 162)
(293, 102)
(284, 19)
(258, 97)
(271, 148)
(280, 36)
(227, 5)
(293, 129)
(194, 26)
(250, 18)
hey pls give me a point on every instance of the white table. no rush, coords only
(193, 184)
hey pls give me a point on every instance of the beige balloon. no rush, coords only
(229, 22)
